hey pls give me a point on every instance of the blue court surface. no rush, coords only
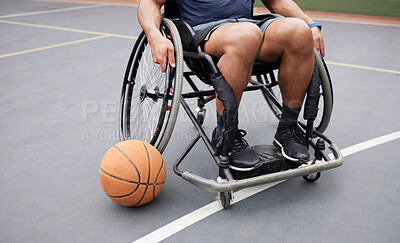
(61, 72)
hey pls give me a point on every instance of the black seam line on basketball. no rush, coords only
(133, 182)
(148, 177)
(157, 184)
(158, 174)
(124, 195)
(119, 196)
(134, 190)
(111, 196)
(134, 166)
(130, 161)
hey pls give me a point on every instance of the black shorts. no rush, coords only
(263, 24)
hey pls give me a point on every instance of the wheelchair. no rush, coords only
(150, 102)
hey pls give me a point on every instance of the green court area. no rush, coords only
(368, 7)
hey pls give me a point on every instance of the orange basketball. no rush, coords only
(132, 173)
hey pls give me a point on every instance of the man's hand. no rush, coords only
(162, 51)
(289, 8)
(149, 16)
(318, 40)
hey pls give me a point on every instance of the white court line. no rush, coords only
(201, 213)
(370, 143)
(52, 11)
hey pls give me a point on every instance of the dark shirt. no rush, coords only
(197, 12)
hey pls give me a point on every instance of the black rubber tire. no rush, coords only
(225, 199)
(200, 116)
(200, 119)
(165, 96)
(312, 179)
(273, 96)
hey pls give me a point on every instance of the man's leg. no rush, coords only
(236, 45)
(290, 41)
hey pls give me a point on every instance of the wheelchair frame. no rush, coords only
(310, 172)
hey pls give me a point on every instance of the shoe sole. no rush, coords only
(298, 161)
(245, 169)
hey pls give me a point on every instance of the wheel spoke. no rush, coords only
(146, 115)
(149, 120)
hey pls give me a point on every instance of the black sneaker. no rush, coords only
(242, 158)
(292, 142)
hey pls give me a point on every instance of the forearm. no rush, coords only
(149, 16)
(287, 8)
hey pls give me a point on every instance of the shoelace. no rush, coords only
(240, 143)
(297, 134)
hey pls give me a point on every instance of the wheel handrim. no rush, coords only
(150, 88)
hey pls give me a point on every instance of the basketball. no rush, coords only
(132, 173)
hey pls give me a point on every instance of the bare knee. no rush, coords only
(300, 38)
(244, 40)
(286, 35)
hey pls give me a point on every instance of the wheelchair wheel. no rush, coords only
(150, 99)
(225, 199)
(273, 96)
(313, 177)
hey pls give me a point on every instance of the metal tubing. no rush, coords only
(228, 174)
(232, 184)
(197, 94)
(180, 159)
(209, 98)
(213, 186)
(201, 134)
(200, 130)
(316, 133)
(191, 83)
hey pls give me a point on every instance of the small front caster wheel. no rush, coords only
(225, 199)
(312, 177)
(201, 113)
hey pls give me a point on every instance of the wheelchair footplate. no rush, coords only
(273, 168)
(271, 161)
